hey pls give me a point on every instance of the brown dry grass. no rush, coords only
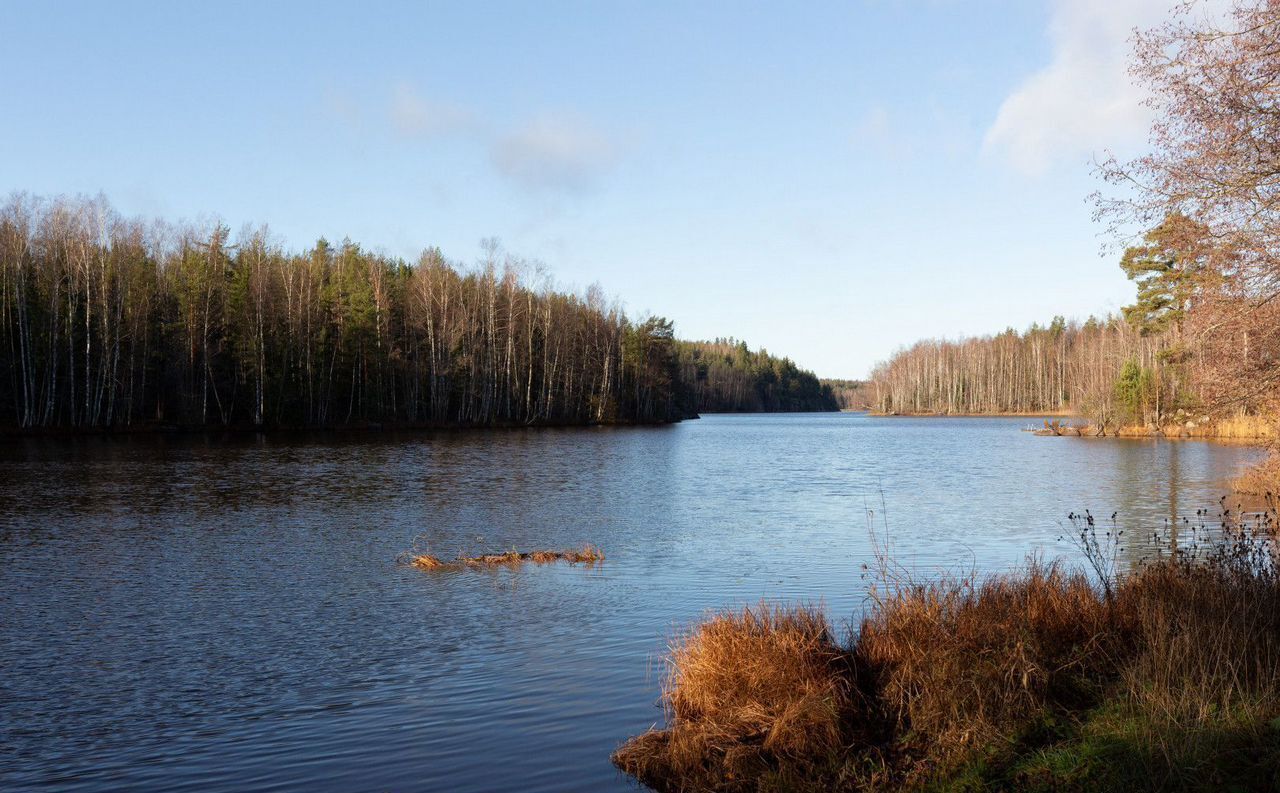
(427, 562)
(1238, 428)
(745, 693)
(961, 663)
(587, 554)
(941, 675)
(1207, 642)
(1263, 478)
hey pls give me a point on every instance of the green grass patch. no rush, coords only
(1115, 747)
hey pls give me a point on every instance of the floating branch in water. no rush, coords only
(587, 554)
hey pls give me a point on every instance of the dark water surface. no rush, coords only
(191, 614)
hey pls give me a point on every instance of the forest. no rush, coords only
(1061, 367)
(850, 394)
(1200, 337)
(724, 376)
(111, 322)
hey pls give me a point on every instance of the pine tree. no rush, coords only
(1166, 268)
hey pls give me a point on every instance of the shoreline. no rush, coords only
(241, 428)
(163, 430)
(943, 415)
(1243, 428)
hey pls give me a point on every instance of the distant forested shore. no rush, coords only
(1110, 371)
(1201, 340)
(1059, 367)
(725, 376)
(110, 323)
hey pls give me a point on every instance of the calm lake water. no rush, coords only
(192, 614)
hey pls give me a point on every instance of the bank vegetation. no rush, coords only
(1047, 678)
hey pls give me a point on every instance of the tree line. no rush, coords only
(725, 376)
(1056, 368)
(113, 322)
(850, 394)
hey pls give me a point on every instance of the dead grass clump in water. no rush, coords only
(587, 554)
(750, 693)
(507, 559)
(427, 562)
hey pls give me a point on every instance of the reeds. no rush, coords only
(1240, 428)
(962, 664)
(989, 673)
(587, 554)
(1263, 479)
(747, 694)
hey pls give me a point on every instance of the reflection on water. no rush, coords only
(184, 613)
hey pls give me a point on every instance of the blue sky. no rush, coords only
(827, 180)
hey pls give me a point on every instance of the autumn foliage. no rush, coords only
(1214, 86)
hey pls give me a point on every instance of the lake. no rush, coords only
(187, 613)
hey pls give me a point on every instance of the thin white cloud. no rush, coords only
(555, 152)
(1084, 101)
(414, 116)
(340, 105)
(876, 132)
(925, 127)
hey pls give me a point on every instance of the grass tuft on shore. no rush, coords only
(1167, 679)
(744, 693)
(962, 663)
(1263, 481)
